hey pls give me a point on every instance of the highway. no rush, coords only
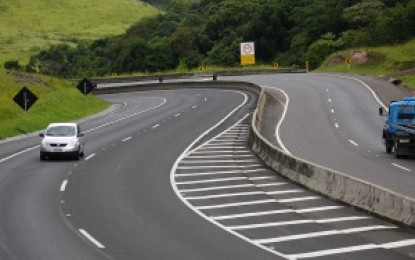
(161, 179)
(333, 122)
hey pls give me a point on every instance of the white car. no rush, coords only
(62, 140)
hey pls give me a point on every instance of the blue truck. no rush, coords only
(399, 130)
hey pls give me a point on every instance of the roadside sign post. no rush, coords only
(348, 62)
(247, 53)
(25, 99)
(85, 86)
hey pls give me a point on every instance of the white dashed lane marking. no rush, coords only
(63, 185)
(126, 139)
(91, 239)
(401, 167)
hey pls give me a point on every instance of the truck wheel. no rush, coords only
(396, 152)
(388, 148)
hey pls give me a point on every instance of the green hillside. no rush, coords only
(27, 26)
(396, 61)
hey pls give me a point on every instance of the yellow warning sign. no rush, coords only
(247, 53)
(248, 59)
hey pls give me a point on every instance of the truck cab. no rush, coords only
(399, 130)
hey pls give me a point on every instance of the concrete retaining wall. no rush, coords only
(335, 185)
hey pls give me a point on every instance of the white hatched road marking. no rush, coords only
(391, 245)
(322, 233)
(272, 212)
(219, 156)
(218, 161)
(255, 202)
(195, 174)
(297, 222)
(249, 185)
(217, 166)
(225, 179)
(222, 150)
(205, 147)
(248, 193)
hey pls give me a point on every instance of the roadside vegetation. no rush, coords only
(27, 27)
(191, 34)
(397, 61)
(91, 38)
(58, 100)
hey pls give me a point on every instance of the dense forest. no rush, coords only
(188, 34)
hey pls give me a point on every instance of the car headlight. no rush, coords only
(44, 144)
(73, 144)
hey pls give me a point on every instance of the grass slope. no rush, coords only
(58, 100)
(26, 26)
(397, 61)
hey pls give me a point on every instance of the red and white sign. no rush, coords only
(247, 48)
(247, 53)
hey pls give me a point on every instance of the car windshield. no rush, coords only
(406, 114)
(61, 131)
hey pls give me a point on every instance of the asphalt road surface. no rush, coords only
(155, 183)
(333, 121)
(118, 202)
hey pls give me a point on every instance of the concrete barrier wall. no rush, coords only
(235, 85)
(332, 184)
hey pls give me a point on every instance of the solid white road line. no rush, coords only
(249, 185)
(63, 185)
(164, 101)
(295, 222)
(277, 129)
(238, 204)
(272, 212)
(334, 251)
(219, 156)
(217, 166)
(408, 242)
(187, 151)
(239, 194)
(216, 161)
(222, 152)
(224, 180)
(321, 233)
(91, 238)
(207, 147)
(255, 202)
(90, 157)
(195, 174)
(19, 153)
(350, 249)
